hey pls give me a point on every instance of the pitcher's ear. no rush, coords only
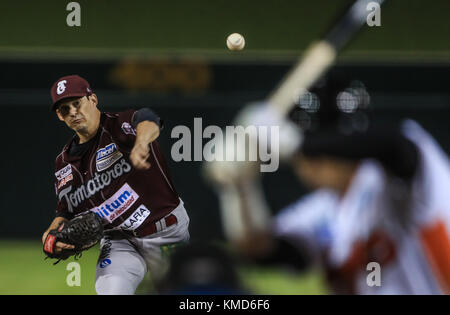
(93, 98)
(59, 115)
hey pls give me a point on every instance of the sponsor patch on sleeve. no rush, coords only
(64, 172)
(65, 180)
(128, 129)
(64, 176)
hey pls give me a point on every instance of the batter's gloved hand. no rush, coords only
(83, 232)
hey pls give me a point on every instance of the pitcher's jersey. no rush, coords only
(104, 181)
(409, 242)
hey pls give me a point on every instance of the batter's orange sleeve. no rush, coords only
(436, 241)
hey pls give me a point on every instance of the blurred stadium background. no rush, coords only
(171, 56)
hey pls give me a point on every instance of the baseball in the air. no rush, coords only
(235, 41)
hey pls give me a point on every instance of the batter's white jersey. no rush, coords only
(410, 242)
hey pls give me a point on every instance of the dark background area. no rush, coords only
(34, 135)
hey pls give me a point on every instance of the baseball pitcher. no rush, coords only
(113, 168)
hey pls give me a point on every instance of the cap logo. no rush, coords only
(61, 87)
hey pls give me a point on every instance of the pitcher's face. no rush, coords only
(79, 114)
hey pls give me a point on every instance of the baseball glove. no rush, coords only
(83, 231)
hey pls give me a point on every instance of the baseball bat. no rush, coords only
(320, 56)
(236, 216)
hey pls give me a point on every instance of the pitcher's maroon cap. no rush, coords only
(69, 86)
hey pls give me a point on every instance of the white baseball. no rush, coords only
(235, 41)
